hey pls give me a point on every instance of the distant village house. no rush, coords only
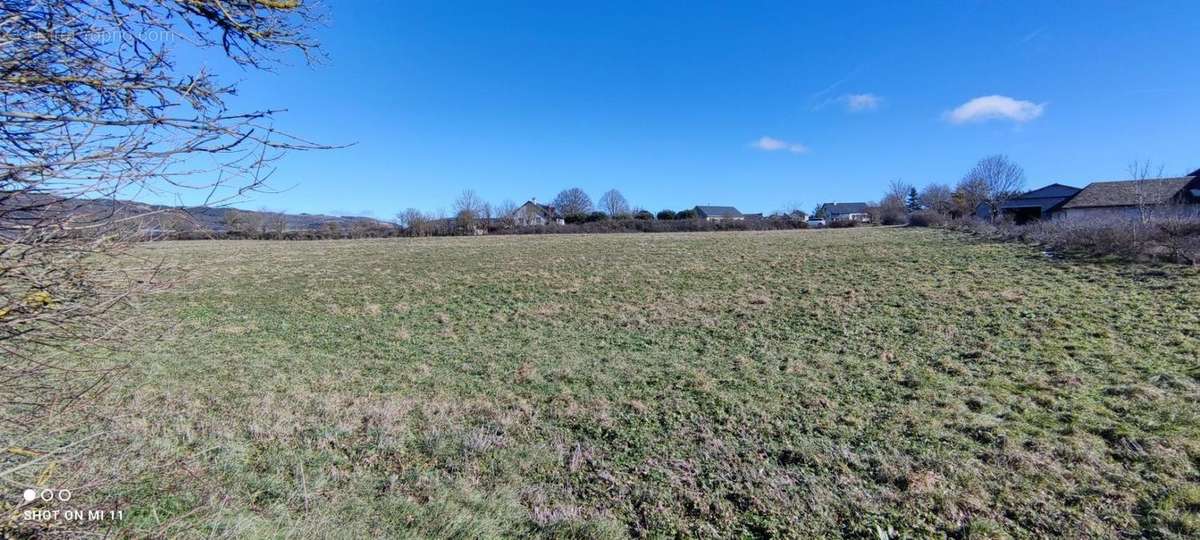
(852, 211)
(532, 214)
(719, 213)
(1137, 199)
(1041, 203)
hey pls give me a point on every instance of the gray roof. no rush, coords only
(718, 211)
(844, 208)
(1045, 198)
(1130, 192)
(546, 210)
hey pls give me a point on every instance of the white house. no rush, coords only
(850, 211)
(532, 213)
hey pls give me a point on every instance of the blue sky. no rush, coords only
(757, 105)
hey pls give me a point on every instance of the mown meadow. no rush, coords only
(836, 383)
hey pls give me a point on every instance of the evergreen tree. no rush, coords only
(914, 201)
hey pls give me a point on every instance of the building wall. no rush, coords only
(863, 217)
(529, 214)
(1130, 213)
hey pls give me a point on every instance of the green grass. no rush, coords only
(806, 383)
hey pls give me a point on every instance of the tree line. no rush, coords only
(471, 214)
(988, 184)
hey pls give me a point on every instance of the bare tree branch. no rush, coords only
(994, 180)
(93, 110)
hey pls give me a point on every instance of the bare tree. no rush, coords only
(254, 225)
(178, 223)
(892, 209)
(485, 212)
(1141, 172)
(897, 190)
(506, 212)
(469, 208)
(614, 203)
(993, 180)
(414, 222)
(573, 201)
(275, 224)
(234, 220)
(331, 229)
(363, 228)
(937, 197)
(968, 194)
(268, 222)
(95, 107)
(440, 223)
(243, 223)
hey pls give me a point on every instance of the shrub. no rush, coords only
(842, 224)
(1168, 239)
(927, 218)
(685, 214)
(892, 217)
(1095, 238)
(643, 215)
(666, 215)
(972, 225)
(1186, 249)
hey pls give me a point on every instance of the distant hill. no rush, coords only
(190, 219)
(214, 219)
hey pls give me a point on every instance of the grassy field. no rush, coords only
(835, 383)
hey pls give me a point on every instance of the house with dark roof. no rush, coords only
(719, 213)
(532, 213)
(1040, 203)
(852, 211)
(1136, 199)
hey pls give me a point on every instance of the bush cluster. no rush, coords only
(643, 225)
(1166, 239)
(597, 222)
(927, 218)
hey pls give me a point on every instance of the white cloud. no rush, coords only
(995, 107)
(772, 144)
(862, 102)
